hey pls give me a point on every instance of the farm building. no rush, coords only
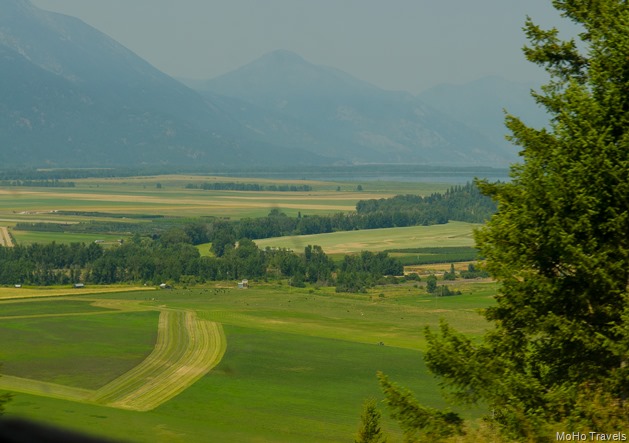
(243, 284)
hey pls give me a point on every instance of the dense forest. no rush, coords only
(461, 203)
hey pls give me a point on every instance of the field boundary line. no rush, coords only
(36, 387)
(14, 294)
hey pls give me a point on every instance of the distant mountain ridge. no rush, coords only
(70, 96)
(339, 114)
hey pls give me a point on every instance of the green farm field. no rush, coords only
(132, 199)
(297, 363)
(140, 195)
(450, 234)
(29, 237)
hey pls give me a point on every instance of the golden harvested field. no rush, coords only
(450, 234)
(141, 195)
(5, 238)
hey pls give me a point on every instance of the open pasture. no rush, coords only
(84, 351)
(297, 363)
(450, 234)
(167, 195)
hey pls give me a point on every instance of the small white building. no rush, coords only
(243, 284)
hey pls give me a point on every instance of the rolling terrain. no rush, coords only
(72, 97)
(296, 363)
(289, 101)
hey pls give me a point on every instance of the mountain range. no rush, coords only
(70, 96)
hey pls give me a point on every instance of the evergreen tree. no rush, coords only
(369, 431)
(557, 355)
(431, 284)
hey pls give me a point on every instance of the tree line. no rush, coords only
(144, 260)
(234, 186)
(461, 203)
(53, 183)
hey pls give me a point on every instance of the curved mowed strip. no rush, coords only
(187, 348)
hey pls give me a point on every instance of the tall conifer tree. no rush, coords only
(557, 355)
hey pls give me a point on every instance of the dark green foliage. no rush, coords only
(172, 257)
(417, 421)
(462, 203)
(55, 183)
(445, 291)
(473, 272)
(412, 277)
(359, 272)
(450, 275)
(317, 265)
(369, 431)
(431, 284)
(223, 237)
(4, 399)
(556, 356)
(448, 254)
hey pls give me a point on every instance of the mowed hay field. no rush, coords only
(141, 199)
(141, 195)
(450, 234)
(286, 364)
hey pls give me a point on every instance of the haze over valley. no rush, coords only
(74, 97)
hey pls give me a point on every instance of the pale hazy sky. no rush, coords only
(395, 44)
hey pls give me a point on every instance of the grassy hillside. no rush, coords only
(298, 364)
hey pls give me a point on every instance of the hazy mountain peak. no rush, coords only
(282, 56)
(72, 95)
(282, 75)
